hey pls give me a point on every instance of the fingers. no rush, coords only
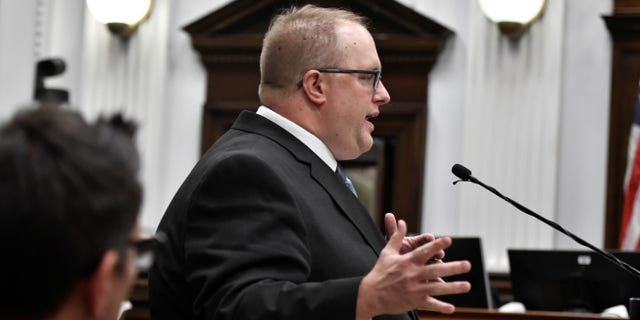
(433, 304)
(430, 250)
(400, 282)
(398, 235)
(443, 270)
(390, 224)
(429, 237)
(439, 255)
(441, 288)
(419, 240)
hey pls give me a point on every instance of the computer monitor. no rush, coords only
(577, 281)
(469, 248)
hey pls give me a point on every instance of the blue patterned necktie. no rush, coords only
(346, 180)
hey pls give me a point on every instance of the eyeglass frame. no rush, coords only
(144, 249)
(376, 73)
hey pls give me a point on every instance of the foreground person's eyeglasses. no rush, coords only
(144, 249)
(377, 74)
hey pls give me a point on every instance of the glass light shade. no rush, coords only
(129, 12)
(516, 11)
(512, 16)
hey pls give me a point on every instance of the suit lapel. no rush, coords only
(350, 205)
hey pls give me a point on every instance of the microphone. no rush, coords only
(48, 68)
(464, 174)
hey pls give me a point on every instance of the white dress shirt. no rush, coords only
(316, 145)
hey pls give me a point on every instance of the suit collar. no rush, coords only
(309, 139)
(251, 122)
(320, 171)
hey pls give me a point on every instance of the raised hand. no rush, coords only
(409, 243)
(402, 279)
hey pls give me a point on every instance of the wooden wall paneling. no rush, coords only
(625, 32)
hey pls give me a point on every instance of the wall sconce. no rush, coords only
(513, 17)
(122, 17)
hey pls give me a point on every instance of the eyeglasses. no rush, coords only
(377, 74)
(144, 249)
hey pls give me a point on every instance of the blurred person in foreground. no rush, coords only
(68, 212)
(266, 226)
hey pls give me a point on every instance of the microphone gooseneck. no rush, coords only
(465, 175)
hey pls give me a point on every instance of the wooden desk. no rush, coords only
(486, 314)
(140, 311)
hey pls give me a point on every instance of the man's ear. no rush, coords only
(100, 283)
(313, 86)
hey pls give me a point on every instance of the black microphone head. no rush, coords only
(461, 172)
(50, 67)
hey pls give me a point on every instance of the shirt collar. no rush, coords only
(311, 141)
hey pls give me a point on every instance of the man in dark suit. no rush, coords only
(265, 228)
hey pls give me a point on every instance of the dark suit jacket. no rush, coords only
(262, 229)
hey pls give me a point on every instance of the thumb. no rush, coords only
(395, 241)
(390, 224)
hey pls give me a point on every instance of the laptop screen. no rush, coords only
(469, 248)
(571, 280)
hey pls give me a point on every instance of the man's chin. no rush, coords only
(365, 148)
(361, 148)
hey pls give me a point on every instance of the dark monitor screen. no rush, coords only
(578, 281)
(469, 248)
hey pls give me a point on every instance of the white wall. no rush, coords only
(16, 53)
(185, 100)
(447, 91)
(582, 166)
(529, 118)
(155, 78)
(554, 83)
